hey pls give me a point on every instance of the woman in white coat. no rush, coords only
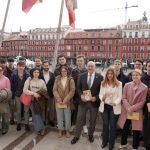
(110, 96)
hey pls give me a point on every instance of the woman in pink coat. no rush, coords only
(134, 97)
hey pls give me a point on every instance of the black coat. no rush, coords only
(95, 88)
(146, 123)
(50, 83)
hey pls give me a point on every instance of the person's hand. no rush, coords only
(148, 107)
(104, 97)
(93, 99)
(83, 98)
(36, 95)
(112, 104)
(129, 111)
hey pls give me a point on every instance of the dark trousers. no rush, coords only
(109, 125)
(74, 113)
(82, 111)
(125, 133)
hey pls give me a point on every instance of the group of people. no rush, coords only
(122, 100)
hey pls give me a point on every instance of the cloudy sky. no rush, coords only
(90, 14)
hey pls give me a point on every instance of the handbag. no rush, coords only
(5, 95)
(25, 98)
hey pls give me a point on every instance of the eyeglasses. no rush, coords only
(64, 71)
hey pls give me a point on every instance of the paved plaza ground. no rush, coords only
(21, 140)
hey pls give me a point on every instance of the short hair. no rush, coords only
(91, 62)
(2, 60)
(34, 69)
(22, 59)
(10, 59)
(118, 60)
(139, 60)
(21, 63)
(37, 57)
(147, 62)
(80, 56)
(45, 61)
(61, 55)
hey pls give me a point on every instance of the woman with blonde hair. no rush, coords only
(110, 107)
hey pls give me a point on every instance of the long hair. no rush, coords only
(115, 82)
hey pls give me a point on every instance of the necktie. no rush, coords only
(89, 81)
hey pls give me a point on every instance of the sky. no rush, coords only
(90, 14)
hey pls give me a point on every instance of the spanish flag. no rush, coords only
(71, 5)
(27, 4)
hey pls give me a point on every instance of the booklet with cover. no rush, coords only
(87, 95)
(61, 105)
(133, 116)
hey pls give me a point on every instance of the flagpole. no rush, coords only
(58, 35)
(4, 22)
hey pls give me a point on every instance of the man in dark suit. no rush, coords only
(49, 79)
(90, 81)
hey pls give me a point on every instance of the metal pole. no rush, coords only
(58, 35)
(4, 22)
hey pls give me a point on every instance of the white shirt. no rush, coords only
(46, 76)
(92, 78)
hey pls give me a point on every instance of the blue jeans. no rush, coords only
(37, 119)
(109, 125)
(63, 115)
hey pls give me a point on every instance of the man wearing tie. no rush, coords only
(89, 81)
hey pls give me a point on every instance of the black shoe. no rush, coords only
(4, 131)
(111, 147)
(74, 140)
(27, 128)
(91, 138)
(12, 122)
(51, 123)
(18, 127)
(103, 145)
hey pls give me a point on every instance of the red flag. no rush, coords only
(27, 4)
(71, 5)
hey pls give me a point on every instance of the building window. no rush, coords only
(98, 41)
(80, 47)
(68, 47)
(68, 41)
(142, 48)
(124, 41)
(136, 41)
(129, 48)
(92, 41)
(85, 48)
(135, 48)
(98, 48)
(92, 48)
(142, 41)
(124, 35)
(148, 48)
(136, 34)
(130, 34)
(85, 42)
(79, 41)
(143, 34)
(130, 41)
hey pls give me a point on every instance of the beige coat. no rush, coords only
(64, 94)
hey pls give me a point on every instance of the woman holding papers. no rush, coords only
(134, 96)
(110, 96)
(63, 90)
